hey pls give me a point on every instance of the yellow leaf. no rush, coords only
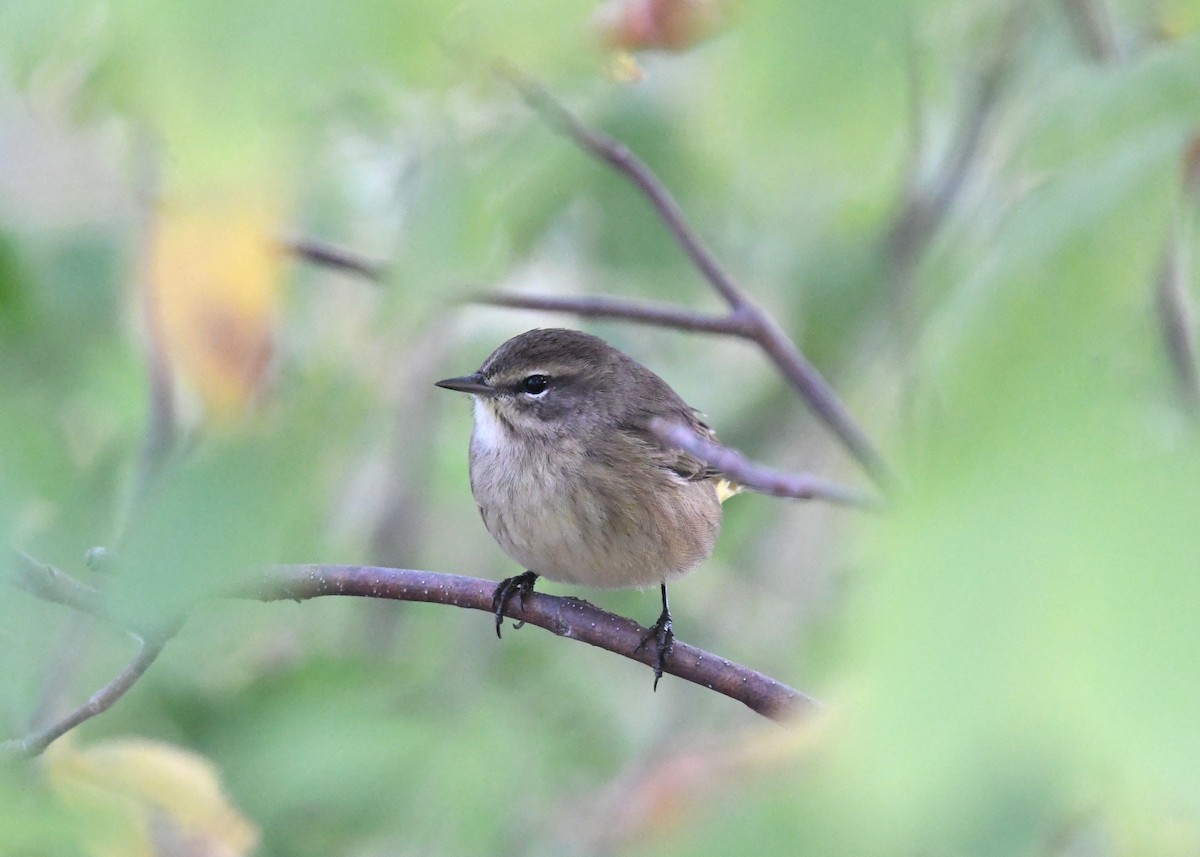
(215, 278)
(141, 798)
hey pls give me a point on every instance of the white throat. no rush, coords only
(490, 433)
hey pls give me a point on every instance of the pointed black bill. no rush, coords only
(473, 384)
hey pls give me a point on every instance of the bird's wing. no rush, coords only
(678, 461)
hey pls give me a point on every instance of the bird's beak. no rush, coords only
(473, 384)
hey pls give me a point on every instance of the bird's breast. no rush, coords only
(560, 511)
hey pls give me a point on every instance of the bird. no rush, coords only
(571, 481)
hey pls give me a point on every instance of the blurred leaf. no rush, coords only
(139, 797)
(216, 283)
(209, 521)
(33, 821)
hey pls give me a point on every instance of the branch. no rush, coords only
(662, 315)
(619, 157)
(757, 477)
(102, 700)
(566, 617)
(327, 256)
(744, 314)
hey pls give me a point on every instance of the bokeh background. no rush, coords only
(977, 219)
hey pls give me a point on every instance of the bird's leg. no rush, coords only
(520, 585)
(664, 635)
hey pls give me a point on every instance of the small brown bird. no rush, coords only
(570, 480)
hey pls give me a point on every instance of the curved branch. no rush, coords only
(566, 617)
(758, 477)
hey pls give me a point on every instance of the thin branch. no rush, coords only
(618, 156)
(662, 315)
(566, 617)
(760, 327)
(102, 700)
(758, 477)
(336, 258)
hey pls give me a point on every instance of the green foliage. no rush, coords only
(1008, 657)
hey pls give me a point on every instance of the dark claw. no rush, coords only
(520, 585)
(664, 636)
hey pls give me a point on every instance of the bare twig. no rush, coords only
(758, 477)
(662, 315)
(339, 259)
(102, 700)
(746, 319)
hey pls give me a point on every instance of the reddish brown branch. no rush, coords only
(745, 315)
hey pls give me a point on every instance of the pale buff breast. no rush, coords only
(550, 516)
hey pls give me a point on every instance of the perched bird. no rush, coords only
(569, 478)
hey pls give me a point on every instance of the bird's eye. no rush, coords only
(535, 385)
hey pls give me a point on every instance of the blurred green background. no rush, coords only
(975, 218)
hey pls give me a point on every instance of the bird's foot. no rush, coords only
(664, 636)
(520, 585)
